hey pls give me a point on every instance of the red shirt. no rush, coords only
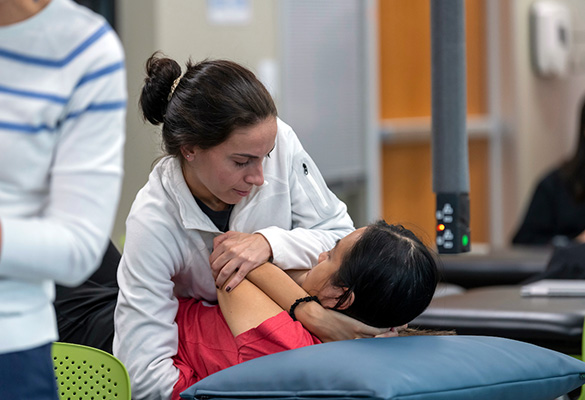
(206, 344)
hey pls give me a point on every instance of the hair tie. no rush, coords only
(299, 301)
(173, 87)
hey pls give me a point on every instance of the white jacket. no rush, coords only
(169, 240)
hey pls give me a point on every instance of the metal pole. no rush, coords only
(449, 132)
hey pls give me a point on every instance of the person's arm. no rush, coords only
(276, 284)
(146, 336)
(246, 306)
(327, 325)
(330, 326)
(66, 240)
(318, 217)
(258, 324)
(237, 253)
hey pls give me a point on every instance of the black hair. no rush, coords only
(212, 98)
(573, 170)
(392, 274)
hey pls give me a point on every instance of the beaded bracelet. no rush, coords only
(299, 301)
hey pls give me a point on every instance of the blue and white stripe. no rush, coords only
(63, 93)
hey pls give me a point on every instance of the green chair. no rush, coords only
(582, 358)
(84, 372)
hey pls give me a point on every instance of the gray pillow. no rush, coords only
(413, 368)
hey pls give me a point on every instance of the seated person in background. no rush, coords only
(382, 275)
(556, 214)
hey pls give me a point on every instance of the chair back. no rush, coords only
(84, 372)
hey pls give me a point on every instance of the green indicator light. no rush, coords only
(465, 240)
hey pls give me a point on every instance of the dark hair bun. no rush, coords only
(161, 72)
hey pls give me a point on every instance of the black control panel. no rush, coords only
(453, 223)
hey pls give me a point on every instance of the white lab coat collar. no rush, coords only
(189, 211)
(191, 215)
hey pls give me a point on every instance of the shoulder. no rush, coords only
(286, 135)
(550, 187)
(85, 35)
(163, 168)
(153, 198)
(286, 149)
(154, 222)
(287, 145)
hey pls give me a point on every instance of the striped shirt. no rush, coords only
(62, 121)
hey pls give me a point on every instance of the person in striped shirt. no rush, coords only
(62, 122)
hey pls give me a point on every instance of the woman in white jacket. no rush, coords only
(235, 190)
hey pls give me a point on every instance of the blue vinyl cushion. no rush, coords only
(413, 368)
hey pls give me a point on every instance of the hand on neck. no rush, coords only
(14, 11)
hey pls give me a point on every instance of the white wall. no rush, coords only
(539, 115)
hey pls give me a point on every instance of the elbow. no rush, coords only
(76, 279)
(81, 261)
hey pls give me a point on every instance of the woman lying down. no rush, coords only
(381, 275)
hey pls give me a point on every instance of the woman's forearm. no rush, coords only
(327, 325)
(276, 284)
(246, 306)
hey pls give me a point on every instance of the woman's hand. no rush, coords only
(393, 332)
(330, 325)
(239, 253)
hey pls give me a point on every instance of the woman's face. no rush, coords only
(226, 173)
(317, 280)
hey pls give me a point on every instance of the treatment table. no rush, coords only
(552, 322)
(492, 303)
